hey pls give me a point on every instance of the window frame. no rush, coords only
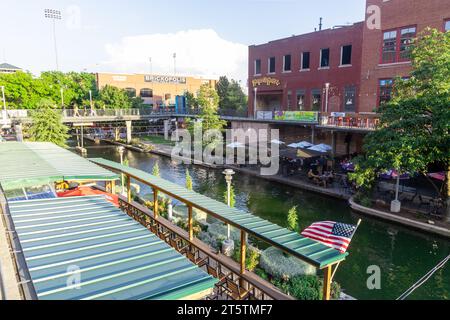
(284, 63)
(321, 56)
(317, 92)
(445, 24)
(301, 92)
(274, 65)
(254, 67)
(355, 92)
(379, 89)
(302, 60)
(398, 39)
(146, 89)
(342, 55)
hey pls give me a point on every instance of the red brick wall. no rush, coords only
(394, 14)
(313, 79)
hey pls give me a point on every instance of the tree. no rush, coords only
(414, 126)
(47, 124)
(155, 170)
(292, 219)
(232, 100)
(188, 180)
(115, 98)
(191, 101)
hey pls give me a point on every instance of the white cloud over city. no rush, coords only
(199, 52)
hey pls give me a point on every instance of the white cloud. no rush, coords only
(199, 53)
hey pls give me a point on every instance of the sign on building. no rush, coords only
(300, 116)
(165, 79)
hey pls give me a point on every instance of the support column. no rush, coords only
(326, 283)
(313, 134)
(243, 250)
(19, 134)
(113, 187)
(129, 130)
(190, 223)
(129, 189)
(166, 129)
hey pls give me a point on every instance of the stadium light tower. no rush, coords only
(54, 15)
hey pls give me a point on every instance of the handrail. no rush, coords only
(26, 286)
(140, 213)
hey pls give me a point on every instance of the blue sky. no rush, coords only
(210, 37)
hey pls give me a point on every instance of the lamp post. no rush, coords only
(228, 244)
(54, 15)
(121, 152)
(327, 90)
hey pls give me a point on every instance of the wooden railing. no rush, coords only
(259, 288)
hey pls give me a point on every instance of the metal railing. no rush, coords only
(368, 121)
(258, 288)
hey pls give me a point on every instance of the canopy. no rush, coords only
(302, 144)
(437, 175)
(291, 242)
(88, 191)
(321, 148)
(113, 256)
(37, 163)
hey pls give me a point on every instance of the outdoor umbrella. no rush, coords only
(437, 175)
(393, 174)
(318, 148)
(235, 145)
(276, 141)
(302, 144)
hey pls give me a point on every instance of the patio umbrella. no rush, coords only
(318, 148)
(393, 174)
(276, 141)
(437, 175)
(235, 145)
(325, 146)
(301, 144)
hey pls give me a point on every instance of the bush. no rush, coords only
(252, 256)
(219, 230)
(275, 263)
(307, 287)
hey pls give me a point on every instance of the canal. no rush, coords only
(402, 255)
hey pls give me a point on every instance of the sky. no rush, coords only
(210, 38)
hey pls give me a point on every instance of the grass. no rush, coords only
(157, 140)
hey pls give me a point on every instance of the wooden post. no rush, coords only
(155, 203)
(243, 255)
(129, 189)
(108, 186)
(113, 187)
(326, 283)
(190, 223)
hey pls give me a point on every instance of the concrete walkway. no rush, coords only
(9, 288)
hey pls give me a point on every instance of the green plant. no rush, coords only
(277, 264)
(252, 256)
(188, 180)
(155, 170)
(292, 219)
(232, 197)
(306, 287)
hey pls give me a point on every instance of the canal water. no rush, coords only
(402, 255)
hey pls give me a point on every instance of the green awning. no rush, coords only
(301, 247)
(84, 248)
(36, 163)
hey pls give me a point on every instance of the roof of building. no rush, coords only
(36, 163)
(8, 66)
(291, 242)
(84, 248)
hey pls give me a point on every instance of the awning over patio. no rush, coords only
(36, 163)
(84, 248)
(291, 242)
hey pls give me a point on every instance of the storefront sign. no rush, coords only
(266, 81)
(165, 79)
(338, 114)
(300, 116)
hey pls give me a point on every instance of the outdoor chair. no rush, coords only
(195, 258)
(235, 291)
(177, 244)
(216, 273)
(163, 235)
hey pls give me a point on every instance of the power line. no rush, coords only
(424, 279)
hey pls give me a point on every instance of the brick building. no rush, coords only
(346, 69)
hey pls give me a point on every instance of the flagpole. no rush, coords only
(337, 265)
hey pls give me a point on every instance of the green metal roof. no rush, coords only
(36, 163)
(304, 248)
(113, 255)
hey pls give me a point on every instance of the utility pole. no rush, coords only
(54, 15)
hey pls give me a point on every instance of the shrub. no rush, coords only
(252, 256)
(306, 287)
(275, 263)
(219, 230)
(292, 219)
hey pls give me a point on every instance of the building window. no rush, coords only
(406, 41)
(305, 60)
(271, 65)
(131, 92)
(350, 99)
(316, 99)
(167, 96)
(300, 99)
(146, 93)
(257, 67)
(385, 91)
(447, 25)
(289, 100)
(287, 63)
(324, 58)
(397, 45)
(346, 55)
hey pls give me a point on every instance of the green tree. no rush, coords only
(188, 180)
(114, 98)
(414, 125)
(292, 219)
(191, 101)
(232, 99)
(155, 170)
(47, 124)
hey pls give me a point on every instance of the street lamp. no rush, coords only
(228, 244)
(121, 150)
(54, 15)
(327, 90)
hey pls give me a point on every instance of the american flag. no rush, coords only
(332, 234)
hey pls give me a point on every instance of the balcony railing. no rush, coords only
(368, 121)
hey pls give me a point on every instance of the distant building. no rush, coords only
(8, 68)
(154, 89)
